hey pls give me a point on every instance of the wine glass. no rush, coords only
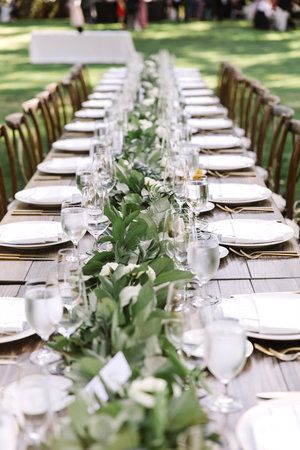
(177, 234)
(204, 259)
(34, 403)
(179, 178)
(197, 196)
(97, 222)
(224, 350)
(43, 310)
(83, 178)
(74, 223)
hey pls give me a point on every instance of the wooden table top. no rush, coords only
(236, 275)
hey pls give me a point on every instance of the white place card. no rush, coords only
(116, 372)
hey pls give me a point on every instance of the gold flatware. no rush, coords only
(265, 253)
(281, 355)
(216, 173)
(44, 178)
(274, 395)
(29, 213)
(239, 209)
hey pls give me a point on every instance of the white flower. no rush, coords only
(148, 101)
(154, 92)
(145, 124)
(128, 293)
(108, 268)
(151, 273)
(161, 132)
(142, 391)
(150, 181)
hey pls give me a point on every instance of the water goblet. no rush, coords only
(197, 196)
(224, 350)
(204, 259)
(43, 310)
(74, 223)
(83, 178)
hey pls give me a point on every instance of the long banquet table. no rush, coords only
(236, 275)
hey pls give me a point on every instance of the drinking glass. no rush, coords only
(74, 223)
(83, 178)
(177, 234)
(197, 196)
(97, 222)
(179, 178)
(204, 259)
(43, 310)
(34, 403)
(224, 350)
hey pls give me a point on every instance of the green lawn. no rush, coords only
(271, 57)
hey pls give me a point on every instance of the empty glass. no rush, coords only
(224, 350)
(197, 195)
(97, 222)
(204, 259)
(83, 178)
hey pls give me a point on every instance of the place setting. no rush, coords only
(63, 166)
(86, 113)
(212, 124)
(72, 144)
(47, 196)
(81, 126)
(224, 166)
(202, 100)
(206, 111)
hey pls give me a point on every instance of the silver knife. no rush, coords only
(271, 395)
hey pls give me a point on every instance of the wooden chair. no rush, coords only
(71, 93)
(59, 105)
(79, 74)
(294, 168)
(51, 123)
(24, 142)
(33, 110)
(10, 158)
(3, 198)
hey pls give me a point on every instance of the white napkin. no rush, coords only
(225, 162)
(278, 428)
(90, 113)
(23, 233)
(202, 101)
(212, 110)
(216, 141)
(81, 126)
(262, 313)
(192, 84)
(49, 194)
(243, 231)
(12, 316)
(210, 124)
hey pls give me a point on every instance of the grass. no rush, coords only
(271, 57)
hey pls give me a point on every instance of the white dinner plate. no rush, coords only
(272, 310)
(81, 126)
(208, 207)
(90, 114)
(216, 141)
(196, 92)
(103, 95)
(276, 421)
(15, 235)
(218, 123)
(205, 111)
(225, 162)
(63, 165)
(193, 84)
(73, 145)
(101, 103)
(237, 193)
(251, 232)
(108, 87)
(57, 385)
(107, 80)
(13, 309)
(47, 195)
(202, 101)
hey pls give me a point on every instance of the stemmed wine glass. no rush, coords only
(197, 196)
(224, 350)
(74, 222)
(204, 259)
(43, 310)
(97, 222)
(83, 178)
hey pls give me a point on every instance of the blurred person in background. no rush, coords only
(76, 15)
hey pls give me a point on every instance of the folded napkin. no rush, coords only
(212, 110)
(193, 84)
(108, 87)
(265, 313)
(23, 233)
(202, 101)
(277, 428)
(74, 144)
(49, 194)
(12, 315)
(216, 141)
(225, 162)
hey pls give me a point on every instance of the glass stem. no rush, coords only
(226, 392)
